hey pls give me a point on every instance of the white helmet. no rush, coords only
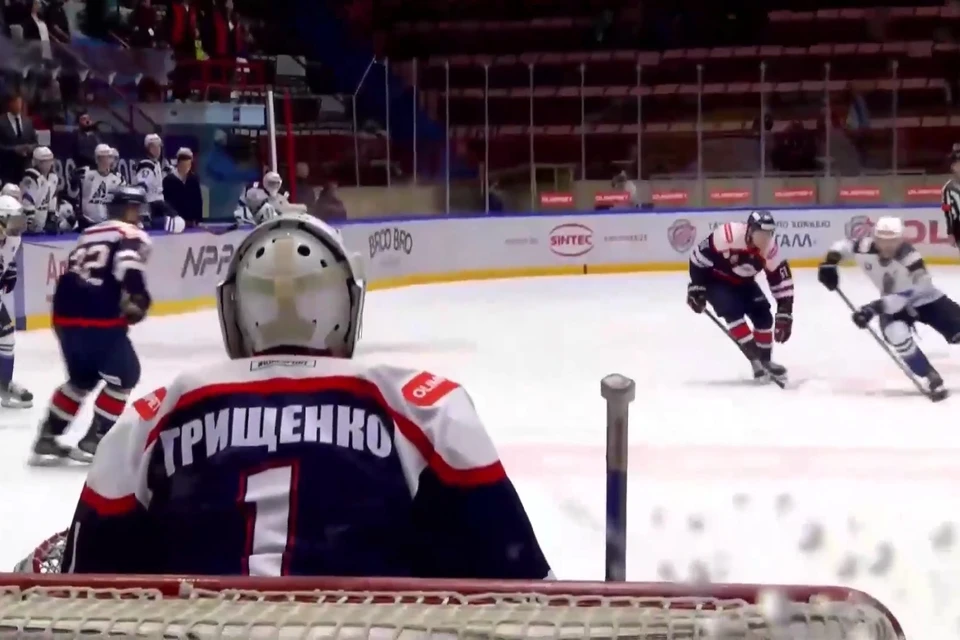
(291, 285)
(43, 159)
(152, 138)
(13, 191)
(103, 154)
(11, 216)
(888, 228)
(272, 182)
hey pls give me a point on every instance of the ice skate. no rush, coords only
(47, 449)
(937, 391)
(87, 447)
(13, 396)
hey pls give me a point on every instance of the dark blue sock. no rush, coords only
(6, 369)
(918, 363)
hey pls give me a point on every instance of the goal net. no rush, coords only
(167, 607)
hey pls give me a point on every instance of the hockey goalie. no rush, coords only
(293, 458)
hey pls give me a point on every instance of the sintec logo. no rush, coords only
(571, 239)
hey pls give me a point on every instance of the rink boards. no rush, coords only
(185, 268)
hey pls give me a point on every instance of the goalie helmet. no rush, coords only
(291, 287)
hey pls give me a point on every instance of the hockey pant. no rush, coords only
(942, 315)
(91, 355)
(736, 303)
(8, 333)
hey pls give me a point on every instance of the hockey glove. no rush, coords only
(134, 308)
(862, 316)
(696, 297)
(783, 323)
(8, 281)
(828, 276)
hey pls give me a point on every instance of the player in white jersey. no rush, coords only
(96, 186)
(262, 200)
(12, 225)
(907, 292)
(39, 188)
(150, 172)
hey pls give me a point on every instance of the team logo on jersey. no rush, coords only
(426, 389)
(149, 405)
(858, 227)
(682, 235)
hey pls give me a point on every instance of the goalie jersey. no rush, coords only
(95, 189)
(39, 198)
(289, 465)
(903, 281)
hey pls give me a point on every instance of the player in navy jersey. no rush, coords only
(102, 292)
(292, 458)
(723, 271)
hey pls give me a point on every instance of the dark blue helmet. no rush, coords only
(125, 200)
(761, 220)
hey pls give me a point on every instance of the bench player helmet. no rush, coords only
(103, 155)
(13, 191)
(272, 182)
(43, 160)
(12, 220)
(291, 288)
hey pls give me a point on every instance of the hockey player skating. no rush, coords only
(723, 270)
(102, 292)
(96, 185)
(907, 295)
(262, 200)
(12, 226)
(293, 458)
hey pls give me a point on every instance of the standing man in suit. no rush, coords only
(17, 140)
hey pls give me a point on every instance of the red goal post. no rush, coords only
(201, 608)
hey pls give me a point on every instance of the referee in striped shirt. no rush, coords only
(950, 196)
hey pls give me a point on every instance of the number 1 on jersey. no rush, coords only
(270, 498)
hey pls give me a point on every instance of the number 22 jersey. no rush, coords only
(109, 261)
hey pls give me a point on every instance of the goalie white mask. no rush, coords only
(291, 288)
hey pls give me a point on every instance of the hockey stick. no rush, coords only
(763, 365)
(883, 345)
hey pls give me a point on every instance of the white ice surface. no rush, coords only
(853, 446)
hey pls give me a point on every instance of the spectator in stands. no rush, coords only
(329, 207)
(223, 36)
(56, 18)
(305, 193)
(86, 141)
(35, 28)
(182, 29)
(181, 189)
(144, 30)
(18, 139)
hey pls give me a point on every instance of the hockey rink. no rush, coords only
(846, 477)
